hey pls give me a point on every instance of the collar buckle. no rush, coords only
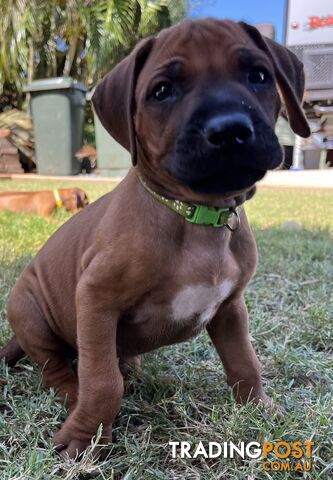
(202, 215)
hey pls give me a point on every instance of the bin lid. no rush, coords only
(90, 94)
(56, 83)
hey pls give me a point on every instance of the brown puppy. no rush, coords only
(44, 202)
(196, 106)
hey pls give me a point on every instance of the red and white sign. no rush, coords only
(320, 22)
(309, 22)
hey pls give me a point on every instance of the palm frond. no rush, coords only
(100, 31)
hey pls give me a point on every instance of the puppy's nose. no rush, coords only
(230, 129)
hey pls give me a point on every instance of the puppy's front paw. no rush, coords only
(263, 399)
(71, 443)
(70, 448)
(272, 406)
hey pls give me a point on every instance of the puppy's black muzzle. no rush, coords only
(228, 130)
(227, 144)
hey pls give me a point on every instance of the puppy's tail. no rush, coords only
(12, 352)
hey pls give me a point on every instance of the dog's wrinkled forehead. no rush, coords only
(199, 37)
(205, 48)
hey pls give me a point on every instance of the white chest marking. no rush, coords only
(200, 300)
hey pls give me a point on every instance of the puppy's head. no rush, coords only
(74, 199)
(197, 106)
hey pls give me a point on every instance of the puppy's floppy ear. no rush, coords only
(81, 198)
(290, 77)
(114, 100)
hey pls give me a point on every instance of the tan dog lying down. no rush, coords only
(169, 252)
(44, 202)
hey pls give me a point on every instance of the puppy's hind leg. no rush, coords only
(37, 340)
(12, 352)
(128, 365)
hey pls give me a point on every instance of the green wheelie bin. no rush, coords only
(57, 107)
(112, 159)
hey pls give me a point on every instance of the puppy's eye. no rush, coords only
(162, 91)
(259, 75)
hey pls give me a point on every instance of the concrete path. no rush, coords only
(280, 178)
(299, 179)
(79, 178)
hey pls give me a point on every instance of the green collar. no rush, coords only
(199, 214)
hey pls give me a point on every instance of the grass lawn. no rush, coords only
(291, 308)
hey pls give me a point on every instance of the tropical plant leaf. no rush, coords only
(94, 34)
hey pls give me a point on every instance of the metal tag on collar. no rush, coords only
(234, 218)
